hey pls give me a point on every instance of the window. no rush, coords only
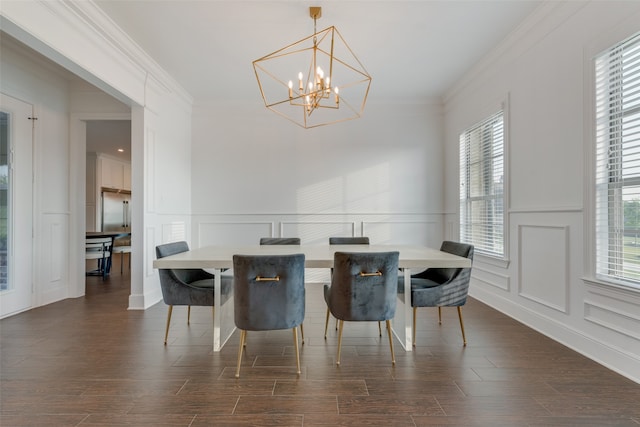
(482, 186)
(617, 133)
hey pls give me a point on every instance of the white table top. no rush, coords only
(320, 256)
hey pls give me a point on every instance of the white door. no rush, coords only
(16, 205)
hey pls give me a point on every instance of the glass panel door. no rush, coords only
(16, 205)
(4, 201)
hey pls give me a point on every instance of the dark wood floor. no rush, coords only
(90, 362)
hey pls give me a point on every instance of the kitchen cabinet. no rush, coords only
(114, 173)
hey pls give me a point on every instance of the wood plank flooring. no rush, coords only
(91, 362)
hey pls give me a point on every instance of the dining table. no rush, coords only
(219, 259)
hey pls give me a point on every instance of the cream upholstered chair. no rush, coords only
(441, 287)
(269, 294)
(99, 248)
(190, 287)
(364, 287)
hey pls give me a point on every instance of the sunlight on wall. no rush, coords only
(365, 190)
(174, 232)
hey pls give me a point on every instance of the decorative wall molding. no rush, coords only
(611, 318)
(491, 278)
(613, 357)
(244, 228)
(316, 231)
(231, 232)
(427, 232)
(543, 256)
(548, 209)
(150, 161)
(174, 231)
(57, 233)
(150, 252)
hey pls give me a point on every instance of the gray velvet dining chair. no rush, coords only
(283, 241)
(269, 294)
(442, 287)
(361, 240)
(190, 287)
(279, 240)
(364, 287)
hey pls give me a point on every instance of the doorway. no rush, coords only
(108, 186)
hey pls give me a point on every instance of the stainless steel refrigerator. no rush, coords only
(116, 211)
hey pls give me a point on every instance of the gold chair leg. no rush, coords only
(243, 336)
(302, 332)
(188, 315)
(166, 334)
(415, 309)
(464, 339)
(326, 324)
(341, 323)
(440, 315)
(393, 355)
(295, 343)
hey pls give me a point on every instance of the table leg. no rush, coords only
(223, 318)
(402, 323)
(217, 286)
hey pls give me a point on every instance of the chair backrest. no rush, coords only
(279, 240)
(97, 247)
(171, 249)
(348, 240)
(443, 275)
(185, 275)
(269, 291)
(364, 285)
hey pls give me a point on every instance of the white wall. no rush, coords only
(543, 72)
(30, 81)
(80, 38)
(256, 174)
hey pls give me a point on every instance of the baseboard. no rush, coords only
(617, 360)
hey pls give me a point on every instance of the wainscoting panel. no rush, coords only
(57, 231)
(150, 162)
(485, 276)
(626, 323)
(613, 309)
(544, 265)
(232, 232)
(150, 252)
(51, 284)
(316, 232)
(404, 232)
(174, 232)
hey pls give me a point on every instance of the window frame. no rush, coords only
(490, 256)
(609, 180)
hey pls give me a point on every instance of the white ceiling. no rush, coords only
(413, 49)
(109, 136)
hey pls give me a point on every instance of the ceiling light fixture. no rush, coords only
(315, 81)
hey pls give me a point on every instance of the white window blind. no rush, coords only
(482, 186)
(617, 78)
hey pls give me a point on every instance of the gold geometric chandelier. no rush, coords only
(315, 81)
